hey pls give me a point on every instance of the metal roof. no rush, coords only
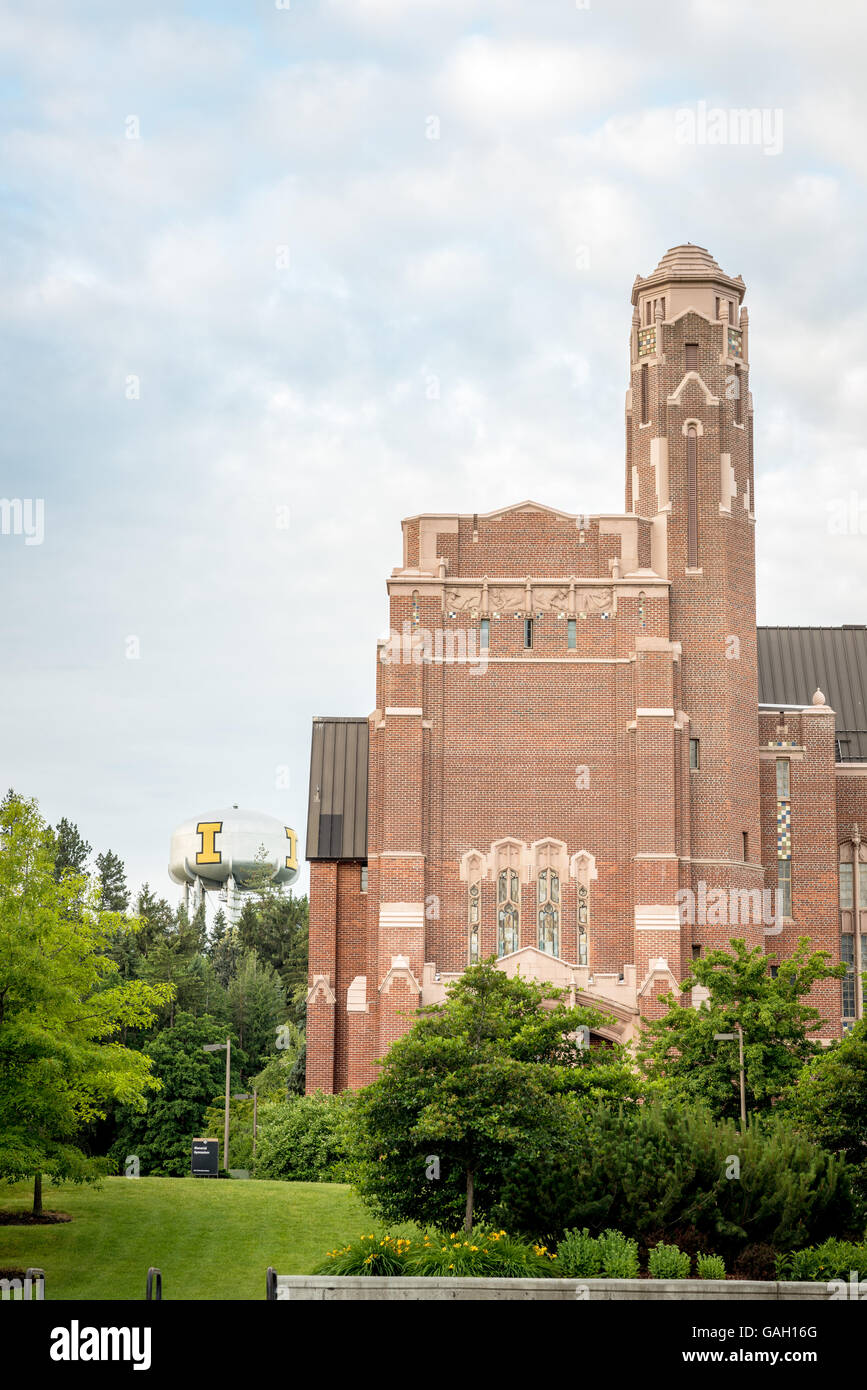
(337, 806)
(796, 661)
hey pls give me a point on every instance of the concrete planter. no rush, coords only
(319, 1287)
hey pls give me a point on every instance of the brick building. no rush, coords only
(584, 759)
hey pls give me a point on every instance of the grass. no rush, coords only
(211, 1239)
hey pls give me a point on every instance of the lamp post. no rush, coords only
(218, 1047)
(730, 1037)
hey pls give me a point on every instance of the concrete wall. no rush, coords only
(296, 1287)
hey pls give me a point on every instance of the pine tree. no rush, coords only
(112, 879)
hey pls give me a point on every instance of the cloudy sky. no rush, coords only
(359, 259)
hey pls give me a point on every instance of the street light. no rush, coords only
(730, 1037)
(218, 1047)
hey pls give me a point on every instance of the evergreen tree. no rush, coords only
(69, 849)
(112, 879)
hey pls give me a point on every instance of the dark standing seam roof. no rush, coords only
(796, 661)
(337, 808)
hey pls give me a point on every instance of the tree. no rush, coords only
(679, 1051)
(473, 1083)
(112, 881)
(223, 948)
(62, 1005)
(156, 917)
(191, 1080)
(257, 1005)
(828, 1101)
(69, 849)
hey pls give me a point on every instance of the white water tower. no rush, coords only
(225, 852)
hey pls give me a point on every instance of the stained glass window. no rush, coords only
(474, 916)
(583, 922)
(549, 911)
(508, 911)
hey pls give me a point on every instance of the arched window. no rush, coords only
(508, 911)
(474, 920)
(583, 923)
(692, 498)
(549, 911)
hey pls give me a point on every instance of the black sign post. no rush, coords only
(206, 1158)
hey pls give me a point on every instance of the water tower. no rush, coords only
(226, 851)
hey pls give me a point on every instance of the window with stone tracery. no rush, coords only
(508, 911)
(474, 919)
(583, 923)
(549, 911)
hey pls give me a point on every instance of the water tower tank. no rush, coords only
(226, 850)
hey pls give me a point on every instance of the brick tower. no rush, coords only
(689, 431)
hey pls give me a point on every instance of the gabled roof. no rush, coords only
(796, 661)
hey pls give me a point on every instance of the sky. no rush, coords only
(275, 276)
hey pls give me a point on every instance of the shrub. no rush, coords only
(369, 1255)
(656, 1169)
(667, 1262)
(579, 1256)
(305, 1139)
(833, 1259)
(477, 1255)
(619, 1256)
(480, 1254)
(710, 1266)
(757, 1260)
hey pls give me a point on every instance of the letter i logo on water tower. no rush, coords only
(208, 854)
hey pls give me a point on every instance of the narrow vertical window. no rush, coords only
(691, 354)
(644, 393)
(696, 948)
(783, 779)
(784, 887)
(739, 402)
(694, 754)
(583, 923)
(571, 633)
(364, 878)
(745, 837)
(474, 918)
(484, 634)
(662, 301)
(528, 632)
(415, 612)
(692, 498)
(717, 307)
(847, 888)
(549, 911)
(508, 911)
(732, 312)
(642, 609)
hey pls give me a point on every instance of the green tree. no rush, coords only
(156, 917)
(223, 948)
(69, 849)
(679, 1052)
(112, 881)
(828, 1101)
(473, 1083)
(256, 1002)
(191, 1080)
(62, 1005)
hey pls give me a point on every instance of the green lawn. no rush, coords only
(211, 1239)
